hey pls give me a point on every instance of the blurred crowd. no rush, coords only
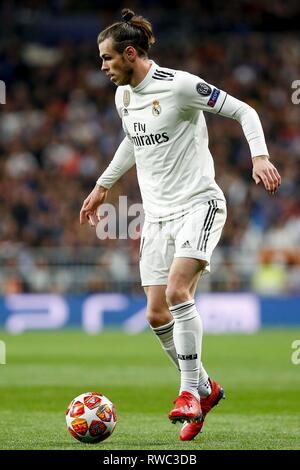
(59, 130)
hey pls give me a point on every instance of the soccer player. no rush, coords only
(185, 210)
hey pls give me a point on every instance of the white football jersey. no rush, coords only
(167, 139)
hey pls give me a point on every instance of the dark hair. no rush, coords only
(133, 31)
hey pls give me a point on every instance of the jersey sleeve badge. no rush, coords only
(213, 98)
(203, 89)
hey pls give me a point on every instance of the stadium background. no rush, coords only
(59, 130)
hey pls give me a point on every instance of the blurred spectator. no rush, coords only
(59, 130)
(270, 278)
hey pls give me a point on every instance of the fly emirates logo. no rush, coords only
(140, 139)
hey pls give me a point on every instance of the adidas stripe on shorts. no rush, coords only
(193, 235)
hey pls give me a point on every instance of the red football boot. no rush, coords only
(190, 430)
(187, 408)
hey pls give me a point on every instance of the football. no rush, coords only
(91, 417)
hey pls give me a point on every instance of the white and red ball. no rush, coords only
(91, 417)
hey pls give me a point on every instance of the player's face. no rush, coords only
(115, 65)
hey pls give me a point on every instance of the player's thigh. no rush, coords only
(183, 278)
(194, 285)
(200, 231)
(156, 297)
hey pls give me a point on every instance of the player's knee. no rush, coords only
(158, 316)
(176, 295)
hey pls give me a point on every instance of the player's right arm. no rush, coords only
(88, 212)
(122, 161)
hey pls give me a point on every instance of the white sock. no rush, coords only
(188, 340)
(204, 387)
(165, 336)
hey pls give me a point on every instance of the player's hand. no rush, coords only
(265, 171)
(88, 212)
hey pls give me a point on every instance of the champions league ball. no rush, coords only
(91, 417)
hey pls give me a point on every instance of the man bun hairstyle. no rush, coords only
(133, 30)
(127, 15)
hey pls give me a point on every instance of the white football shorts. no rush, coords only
(193, 235)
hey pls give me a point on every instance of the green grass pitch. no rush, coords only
(44, 371)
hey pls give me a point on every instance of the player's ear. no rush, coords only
(130, 53)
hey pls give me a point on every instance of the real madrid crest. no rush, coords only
(126, 98)
(156, 108)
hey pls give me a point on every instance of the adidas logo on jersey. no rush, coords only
(186, 245)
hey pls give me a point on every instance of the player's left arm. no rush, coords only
(263, 170)
(194, 93)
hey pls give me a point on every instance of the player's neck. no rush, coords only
(140, 72)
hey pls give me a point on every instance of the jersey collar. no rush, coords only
(147, 78)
